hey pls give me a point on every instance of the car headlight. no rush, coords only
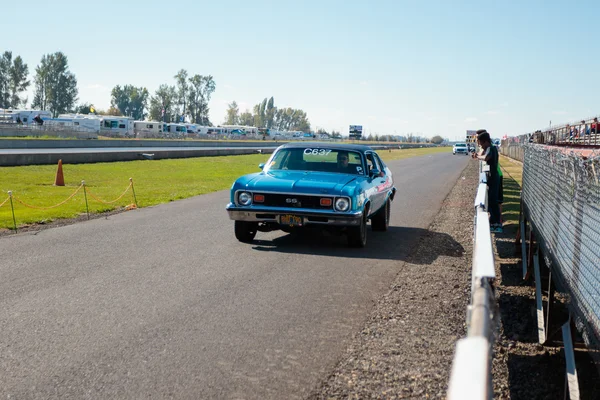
(245, 199)
(342, 204)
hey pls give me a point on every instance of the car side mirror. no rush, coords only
(375, 172)
(261, 165)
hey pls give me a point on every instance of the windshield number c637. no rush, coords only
(317, 152)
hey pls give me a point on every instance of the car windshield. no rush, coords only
(318, 159)
(461, 145)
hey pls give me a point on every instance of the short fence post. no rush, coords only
(87, 209)
(133, 190)
(12, 207)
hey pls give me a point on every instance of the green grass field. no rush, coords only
(155, 182)
(513, 175)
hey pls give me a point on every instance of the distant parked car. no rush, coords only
(324, 186)
(460, 148)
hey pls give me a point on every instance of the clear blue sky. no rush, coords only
(434, 67)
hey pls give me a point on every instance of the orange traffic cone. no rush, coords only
(60, 179)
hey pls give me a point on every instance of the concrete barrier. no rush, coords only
(71, 144)
(83, 158)
(127, 150)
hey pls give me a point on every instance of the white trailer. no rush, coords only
(212, 130)
(191, 128)
(116, 126)
(149, 129)
(78, 122)
(248, 130)
(24, 117)
(177, 130)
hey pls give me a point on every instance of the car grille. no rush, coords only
(294, 201)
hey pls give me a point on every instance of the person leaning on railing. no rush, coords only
(595, 128)
(489, 154)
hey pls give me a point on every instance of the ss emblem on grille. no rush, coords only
(293, 202)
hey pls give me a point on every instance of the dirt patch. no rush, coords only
(406, 348)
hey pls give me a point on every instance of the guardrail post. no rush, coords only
(133, 191)
(571, 382)
(12, 207)
(87, 209)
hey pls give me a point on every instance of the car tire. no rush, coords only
(245, 231)
(357, 235)
(381, 220)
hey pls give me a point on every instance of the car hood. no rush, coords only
(300, 182)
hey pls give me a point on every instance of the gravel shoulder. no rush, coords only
(406, 347)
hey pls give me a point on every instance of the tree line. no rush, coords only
(187, 100)
(55, 90)
(266, 115)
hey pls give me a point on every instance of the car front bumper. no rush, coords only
(309, 216)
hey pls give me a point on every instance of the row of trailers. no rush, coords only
(153, 129)
(117, 126)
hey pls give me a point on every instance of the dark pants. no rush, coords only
(493, 194)
(501, 192)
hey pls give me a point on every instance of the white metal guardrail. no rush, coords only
(471, 376)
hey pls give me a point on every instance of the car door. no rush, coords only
(375, 182)
(385, 180)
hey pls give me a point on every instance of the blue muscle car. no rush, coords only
(320, 185)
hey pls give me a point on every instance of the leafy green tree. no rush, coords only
(269, 114)
(181, 82)
(119, 98)
(113, 111)
(233, 112)
(13, 80)
(163, 103)
(131, 101)
(200, 90)
(246, 118)
(289, 119)
(84, 108)
(437, 139)
(55, 86)
(5, 63)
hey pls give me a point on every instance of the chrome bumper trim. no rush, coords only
(268, 214)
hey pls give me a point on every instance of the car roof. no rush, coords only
(341, 146)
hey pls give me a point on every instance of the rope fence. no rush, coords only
(50, 207)
(86, 191)
(112, 201)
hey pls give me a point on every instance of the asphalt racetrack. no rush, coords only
(165, 302)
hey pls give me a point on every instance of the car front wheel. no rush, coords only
(357, 235)
(245, 231)
(381, 220)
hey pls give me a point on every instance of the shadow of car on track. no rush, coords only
(398, 243)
